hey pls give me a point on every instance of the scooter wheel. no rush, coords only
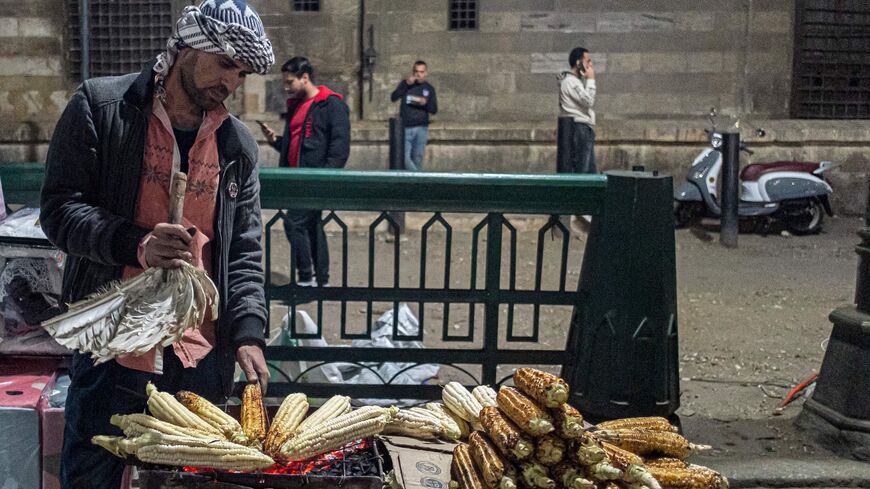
(685, 213)
(807, 220)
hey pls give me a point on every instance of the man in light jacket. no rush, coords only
(576, 98)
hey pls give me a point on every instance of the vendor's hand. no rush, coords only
(253, 363)
(588, 70)
(168, 246)
(411, 80)
(421, 100)
(270, 135)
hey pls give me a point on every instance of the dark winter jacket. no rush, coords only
(89, 200)
(325, 138)
(412, 114)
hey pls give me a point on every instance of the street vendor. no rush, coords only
(105, 202)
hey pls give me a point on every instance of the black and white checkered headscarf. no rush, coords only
(230, 27)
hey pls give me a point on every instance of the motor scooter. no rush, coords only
(792, 192)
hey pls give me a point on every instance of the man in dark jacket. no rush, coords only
(418, 100)
(316, 135)
(105, 202)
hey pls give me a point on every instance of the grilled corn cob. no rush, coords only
(568, 421)
(535, 475)
(586, 451)
(550, 450)
(414, 423)
(213, 415)
(166, 408)
(505, 435)
(440, 408)
(649, 442)
(619, 457)
(691, 477)
(543, 387)
(485, 395)
(489, 462)
(188, 451)
(630, 464)
(138, 424)
(452, 429)
(334, 407)
(462, 469)
(665, 463)
(336, 433)
(569, 476)
(460, 401)
(603, 471)
(253, 415)
(290, 414)
(530, 417)
(657, 423)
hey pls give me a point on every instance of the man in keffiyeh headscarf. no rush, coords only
(105, 203)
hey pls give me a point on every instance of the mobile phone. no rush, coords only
(261, 123)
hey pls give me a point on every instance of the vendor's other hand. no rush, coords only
(168, 246)
(411, 80)
(270, 135)
(250, 357)
(421, 100)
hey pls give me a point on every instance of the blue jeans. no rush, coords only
(415, 146)
(583, 149)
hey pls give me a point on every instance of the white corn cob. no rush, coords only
(445, 413)
(336, 433)
(286, 421)
(415, 424)
(485, 395)
(449, 428)
(138, 424)
(332, 408)
(459, 400)
(166, 408)
(213, 415)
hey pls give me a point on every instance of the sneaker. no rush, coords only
(307, 283)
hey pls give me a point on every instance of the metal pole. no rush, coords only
(85, 39)
(397, 160)
(862, 289)
(730, 188)
(564, 137)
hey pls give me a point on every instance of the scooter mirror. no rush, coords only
(760, 133)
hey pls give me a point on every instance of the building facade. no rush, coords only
(797, 68)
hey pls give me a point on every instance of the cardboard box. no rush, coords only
(52, 420)
(21, 386)
(420, 464)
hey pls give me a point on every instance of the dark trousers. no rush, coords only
(583, 149)
(308, 240)
(98, 392)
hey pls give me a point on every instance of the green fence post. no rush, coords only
(625, 360)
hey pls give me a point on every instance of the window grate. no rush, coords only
(306, 5)
(463, 15)
(123, 35)
(831, 78)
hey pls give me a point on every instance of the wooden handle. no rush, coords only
(176, 197)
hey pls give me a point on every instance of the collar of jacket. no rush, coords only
(139, 93)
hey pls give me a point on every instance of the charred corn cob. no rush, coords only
(586, 451)
(505, 435)
(535, 475)
(619, 457)
(490, 464)
(166, 408)
(649, 442)
(485, 395)
(290, 414)
(569, 476)
(452, 429)
(657, 423)
(665, 463)
(530, 417)
(568, 421)
(630, 464)
(691, 477)
(550, 450)
(415, 423)
(460, 401)
(187, 451)
(138, 424)
(546, 388)
(336, 433)
(444, 411)
(213, 415)
(253, 415)
(603, 471)
(334, 407)
(462, 469)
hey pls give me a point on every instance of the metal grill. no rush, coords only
(463, 15)
(123, 35)
(832, 60)
(306, 5)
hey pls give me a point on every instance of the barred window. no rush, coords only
(831, 78)
(123, 35)
(463, 15)
(306, 5)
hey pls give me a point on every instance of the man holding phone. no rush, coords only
(418, 100)
(576, 98)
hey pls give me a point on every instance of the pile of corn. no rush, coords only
(188, 430)
(529, 437)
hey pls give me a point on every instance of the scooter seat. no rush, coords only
(756, 170)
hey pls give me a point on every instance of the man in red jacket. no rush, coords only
(317, 135)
